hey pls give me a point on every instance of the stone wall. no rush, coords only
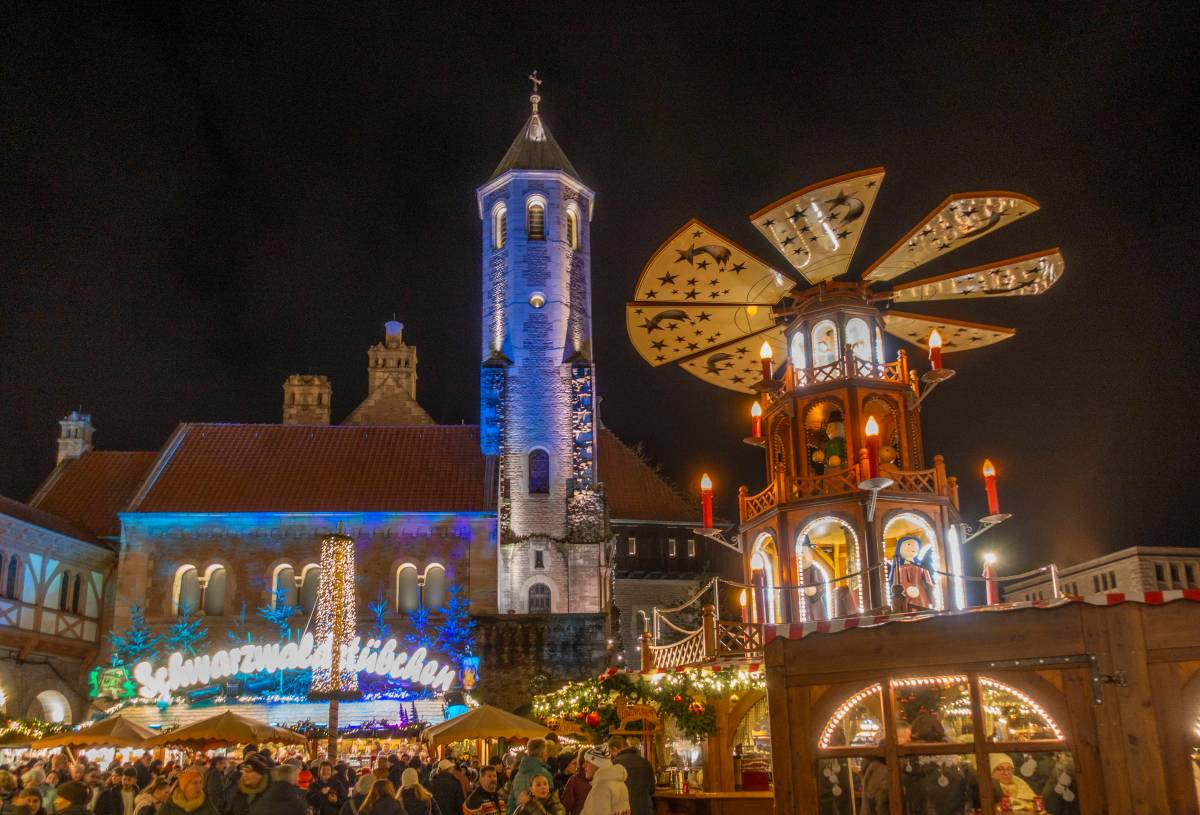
(525, 654)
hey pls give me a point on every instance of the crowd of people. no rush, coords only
(606, 779)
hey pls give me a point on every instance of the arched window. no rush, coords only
(763, 575)
(535, 219)
(499, 226)
(858, 337)
(824, 343)
(310, 584)
(435, 586)
(797, 351)
(64, 590)
(833, 550)
(539, 472)
(283, 586)
(187, 590)
(408, 592)
(572, 226)
(12, 581)
(539, 599)
(214, 591)
(900, 528)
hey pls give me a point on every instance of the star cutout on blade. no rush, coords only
(845, 233)
(713, 282)
(652, 294)
(703, 316)
(698, 333)
(799, 213)
(702, 264)
(789, 239)
(768, 222)
(691, 346)
(637, 311)
(667, 278)
(691, 294)
(870, 184)
(659, 358)
(697, 233)
(651, 326)
(692, 282)
(738, 267)
(738, 379)
(742, 350)
(714, 295)
(672, 326)
(658, 345)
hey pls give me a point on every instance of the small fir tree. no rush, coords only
(381, 629)
(187, 634)
(422, 634)
(237, 633)
(280, 614)
(137, 644)
(456, 634)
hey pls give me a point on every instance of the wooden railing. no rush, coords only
(751, 506)
(688, 651)
(714, 639)
(849, 366)
(837, 482)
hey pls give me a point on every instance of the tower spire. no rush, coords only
(536, 96)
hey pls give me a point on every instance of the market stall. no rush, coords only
(225, 729)
(483, 725)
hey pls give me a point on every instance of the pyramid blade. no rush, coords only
(957, 335)
(736, 365)
(954, 223)
(666, 332)
(1029, 274)
(817, 228)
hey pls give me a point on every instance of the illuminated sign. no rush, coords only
(375, 657)
(110, 683)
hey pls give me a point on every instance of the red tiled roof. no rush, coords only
(36, 517)
(636, 492)
(90, 490)
(302, 468)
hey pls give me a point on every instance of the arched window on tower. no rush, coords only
(858, 337)
(499, 226)
(214, 591)
(539, 472)
(539, 599)
(535, 219)
(573, 226)
(824, 343)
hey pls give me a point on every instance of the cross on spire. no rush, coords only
(536, 96)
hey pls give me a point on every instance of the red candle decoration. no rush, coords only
(764, 356)
(989, 482)
(872, 432)
(935, 350)
(706, 500)
(989, 576)
(756, 419)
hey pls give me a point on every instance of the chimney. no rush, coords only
(307, 399)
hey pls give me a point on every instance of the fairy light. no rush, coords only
(1027, 700)
(843, 709)
(336, 616)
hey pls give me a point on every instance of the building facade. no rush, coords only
(1134, 570)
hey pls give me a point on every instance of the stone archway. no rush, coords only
(50, 706)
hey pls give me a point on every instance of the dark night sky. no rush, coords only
(197, 202)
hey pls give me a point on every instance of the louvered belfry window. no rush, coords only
(535, 221)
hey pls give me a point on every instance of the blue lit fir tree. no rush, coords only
(138, 643)
(456, 634)
(188, 634)
(280, 614)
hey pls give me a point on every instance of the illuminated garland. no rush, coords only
(681, 695)
(336, 618)
(32, 728)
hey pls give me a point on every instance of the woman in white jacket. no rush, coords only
(608, 795)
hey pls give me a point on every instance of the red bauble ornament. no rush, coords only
(579, 715)
(677, 698)
(593, 719)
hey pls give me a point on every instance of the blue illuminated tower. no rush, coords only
(537, 414)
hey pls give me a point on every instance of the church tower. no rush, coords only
(75, 436)
(537, 413)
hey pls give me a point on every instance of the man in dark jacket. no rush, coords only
(253, 782)
(326, 794)
(214, 783)
(446, 788)
(118, 799)
(485, 799)
(639, 778)
(71, 799)
(283, 795)
(144, 775)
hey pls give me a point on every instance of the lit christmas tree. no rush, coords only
(187, 634)
(380, 608)
(280, 614)
(137, 644)
(422, 633)
(456, 634)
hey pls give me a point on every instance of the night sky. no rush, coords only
(195, 203)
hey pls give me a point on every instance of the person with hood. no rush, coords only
(283, 795)
(532, 763)
(70, 798)
(150, 799)
(252, 784)
(576, 790)
(639, 774)
(446, 788)
(608, 795)
(188, 797)
(381, 799)
(415, 799)
(1006, 786)
(362, 788)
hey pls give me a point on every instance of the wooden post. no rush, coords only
(939, 475)
(647, 654)
(331, 745)
(742, 494)
(902, 358)
(710, 631)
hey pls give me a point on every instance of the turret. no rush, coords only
(75, 435)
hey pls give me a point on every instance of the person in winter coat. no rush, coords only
(283, 795)
(31, 798)
(70, 798)
(187, 797)
(214, 782)
(532, 763)
(876, 789)
(639, 778)
(608, 795)
(118, 799)
(381, 799)
(362, 788)
(539, 799)
(326, 794)
(150, 799)
(485, 798)
(252, 785)
(577, 787)
(415, 799)
(446, 788)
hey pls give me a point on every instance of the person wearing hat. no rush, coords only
(1007, 786)
(283, 795)
(187, 797)
(575, 791)
(608, 795)
(119, 799)
(71, 798)
(252, 785)
(415, 799)
(362, 788)
(446, 788)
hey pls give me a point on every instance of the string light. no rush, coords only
(336, 617)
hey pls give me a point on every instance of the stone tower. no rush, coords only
(75, 437)
(307, 399)
(391, 383)
(537, 412)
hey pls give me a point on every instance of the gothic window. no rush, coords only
(408, 593)
(435, 586)
(499, 226)
(572, 227)
(283, 591)
(539, 472)
(310, 583)
(187, 589)
(539, 599)
(214, 591)
(535, 220)
(12, 581)
(64, 589)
